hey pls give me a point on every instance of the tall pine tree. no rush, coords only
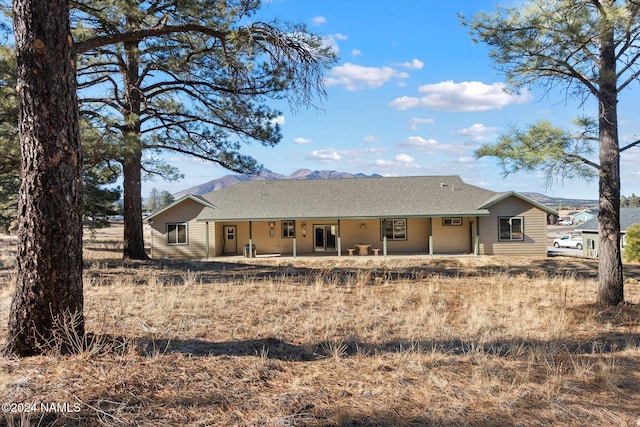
(48, 297)
(590, 48)
(190, 78)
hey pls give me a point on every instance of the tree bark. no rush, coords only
(48, 300)
(132, 163)
(610, 279)
(133, 228)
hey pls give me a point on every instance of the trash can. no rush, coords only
(249, 253)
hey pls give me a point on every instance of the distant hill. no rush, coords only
(561, 202)
(227, 180)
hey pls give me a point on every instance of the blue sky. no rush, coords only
(412, 95)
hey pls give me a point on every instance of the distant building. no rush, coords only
(589, 229)
(585, 216)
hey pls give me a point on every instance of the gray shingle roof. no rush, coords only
(193, 197)
(347, 198)
(498, 197)
(628, 216)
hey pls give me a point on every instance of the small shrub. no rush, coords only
(631, 251)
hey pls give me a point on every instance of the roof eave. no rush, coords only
(502, 196)
(196, 199)
(482, 213)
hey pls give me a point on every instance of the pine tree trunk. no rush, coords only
(133, 230)
(48, 299)
(132, 163)
(610, 279)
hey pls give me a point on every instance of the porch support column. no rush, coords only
(430, 236)
(339, 240)
(251, 251)
(295, 252)
(384, 237)
(477, 235)
(151, 226)
(206, 239)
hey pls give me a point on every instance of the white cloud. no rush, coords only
(371, 138)
(404, 158)
(301, 140)
(349, 159)
(629, 161)
(356, 77)
(420, 143)
(405, 103)
(415, 121)
(356, 52)
(370, 150)
(278, 121)
(332, 41)
(431, 146)
(466, 160)
(477, 132)
(463, 96)
(384, 163)
(628, 138)
(400, 161)
(328, 155)
(414, 64)
(319, 20)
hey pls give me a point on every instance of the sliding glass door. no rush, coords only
(324, 238)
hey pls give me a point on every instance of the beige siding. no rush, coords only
(184, 212)
(451, 239)
(352, 232)
(417, 236)
(535, 230)
(262, 238)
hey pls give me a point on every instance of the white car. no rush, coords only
(568, 241)
(566, 222)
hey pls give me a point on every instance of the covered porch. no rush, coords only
(344, 237)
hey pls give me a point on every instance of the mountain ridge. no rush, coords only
(266, 174)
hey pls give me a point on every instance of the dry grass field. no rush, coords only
(443, 341)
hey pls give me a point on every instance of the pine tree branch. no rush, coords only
(138, 35)
(633, 144)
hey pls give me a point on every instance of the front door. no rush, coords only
(230, 233)
(324, 238)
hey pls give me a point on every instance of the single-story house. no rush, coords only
(589, 229)
(585, 216)
(373, 216)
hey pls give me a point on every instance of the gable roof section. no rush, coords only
(347, 198)
(505, 195)
(628, 216)
(195, 198)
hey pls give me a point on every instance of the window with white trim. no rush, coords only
(511, 228)
(177, 234)
(452, 221)
(394, 229)
(288, 229)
